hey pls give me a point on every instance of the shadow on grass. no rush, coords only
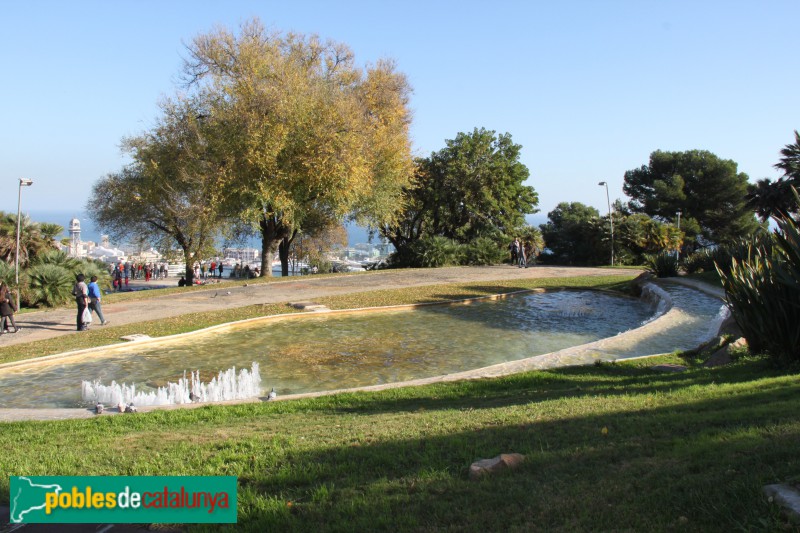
(700, 462)
(539, 386)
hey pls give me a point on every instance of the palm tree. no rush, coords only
(774, 198)
(50, 233)
(31, 241)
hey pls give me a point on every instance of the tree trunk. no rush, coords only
(283, 252)
(269, 234)
(187, 257)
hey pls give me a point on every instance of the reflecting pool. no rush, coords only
(332, 351)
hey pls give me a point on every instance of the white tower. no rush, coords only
(74, 237)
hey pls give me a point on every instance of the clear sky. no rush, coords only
(588, 88)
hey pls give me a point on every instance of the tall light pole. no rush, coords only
(22, 183)
(678, 251)
(611, 219)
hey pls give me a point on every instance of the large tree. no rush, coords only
(574, 235)
(708, 191)
(308, 133)
(172, 190)
(473, 187)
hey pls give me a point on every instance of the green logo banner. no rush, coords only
(123, 499)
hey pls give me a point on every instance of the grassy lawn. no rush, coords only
(609, 447)
(683, 451)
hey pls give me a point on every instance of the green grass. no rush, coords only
(609, 447)
(683, 451)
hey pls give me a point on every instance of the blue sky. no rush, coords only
(588, 88)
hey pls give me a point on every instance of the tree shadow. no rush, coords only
(543, 385)
(651, 466)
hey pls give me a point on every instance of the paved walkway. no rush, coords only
(49, 324)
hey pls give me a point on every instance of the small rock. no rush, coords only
(723, 355)
(502, 462)
(787, 497)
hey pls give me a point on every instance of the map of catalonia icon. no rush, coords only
(28, 498)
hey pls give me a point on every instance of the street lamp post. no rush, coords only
(678, 251)
(23, 182)
(610, 218)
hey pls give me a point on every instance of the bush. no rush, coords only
(663, 265)
(49, 285)
(436, 252)
(705, 260)
(763, 292)
(483, 251)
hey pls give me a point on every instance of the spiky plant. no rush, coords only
(763, 293)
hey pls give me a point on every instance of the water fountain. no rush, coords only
(225, 386)
(322, 352)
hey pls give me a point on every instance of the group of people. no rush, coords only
(88, 297)
(123, 272)
(521, 251)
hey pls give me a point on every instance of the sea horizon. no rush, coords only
(89, 232)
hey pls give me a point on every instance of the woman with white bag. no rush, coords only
(81, 292)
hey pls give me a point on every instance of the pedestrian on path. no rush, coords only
(521, 255)
(7, 306)
(81, 293)
(95, 294)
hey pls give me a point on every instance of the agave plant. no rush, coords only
(763, 293)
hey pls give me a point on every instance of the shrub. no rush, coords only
(763, 292)
(703, 260)
(437, 251)
(92, 268)
(663, 265)
(49, 285)
(483, 251)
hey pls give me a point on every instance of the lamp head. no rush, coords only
(24, 182)
(602, 183)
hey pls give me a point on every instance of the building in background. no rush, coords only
(75, 238)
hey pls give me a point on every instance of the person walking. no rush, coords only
(95, 294)
(521, 255)
(513, 248)
(81, 292)
(118, 272)
(7, 306)
(220, 269)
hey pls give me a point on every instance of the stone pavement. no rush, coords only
(53, 323)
